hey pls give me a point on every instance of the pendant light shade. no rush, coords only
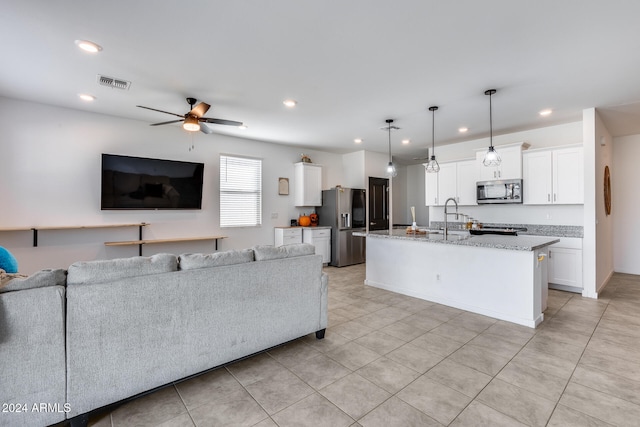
(491, 158)
(191, 124)
(391, 169)
(433, 166)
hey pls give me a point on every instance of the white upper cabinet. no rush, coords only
(467, 177)
(554, 176)
(510, 167)
(447, 182)
(308, 184)
(455, 179)
(568, 176)
(431, 189)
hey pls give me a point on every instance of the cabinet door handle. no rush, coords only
(554, 197)
(548, 197)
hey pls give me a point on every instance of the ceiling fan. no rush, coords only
(193, 119)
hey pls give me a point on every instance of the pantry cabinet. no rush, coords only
(553, 176)
(308, 184)
(455, 179)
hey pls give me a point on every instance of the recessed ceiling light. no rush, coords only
(289, 103)
(406, 141)
(358, 140)
(86, 97)
(88, 46)
(546, 112)
(463, 129)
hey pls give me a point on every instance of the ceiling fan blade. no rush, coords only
(220, 121)
(205, 129)
(165, 123)
(200, 109)
(160, 111)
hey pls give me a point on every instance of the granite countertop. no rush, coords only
(532, 229)
(462, 238)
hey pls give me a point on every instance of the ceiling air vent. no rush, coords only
(113, 83)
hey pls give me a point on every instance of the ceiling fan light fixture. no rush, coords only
(191, 124)
(491, 157)
(433, 166)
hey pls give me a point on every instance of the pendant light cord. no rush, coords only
(490, 119)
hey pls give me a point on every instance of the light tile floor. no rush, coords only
(392, 360)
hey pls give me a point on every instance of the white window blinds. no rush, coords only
(240, 191)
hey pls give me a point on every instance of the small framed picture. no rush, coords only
(283, 186)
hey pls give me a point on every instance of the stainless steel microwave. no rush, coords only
(502, 191)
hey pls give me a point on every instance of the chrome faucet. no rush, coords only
(446, 214)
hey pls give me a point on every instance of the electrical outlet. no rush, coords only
(274, 215)
(438, 277)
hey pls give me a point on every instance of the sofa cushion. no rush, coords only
(40, 279)
(193, 261)
(267, 252)
(114, 269)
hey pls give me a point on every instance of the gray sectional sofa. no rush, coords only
(118, 328)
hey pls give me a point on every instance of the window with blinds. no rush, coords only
(240, 191)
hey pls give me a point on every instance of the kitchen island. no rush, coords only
(498, 276)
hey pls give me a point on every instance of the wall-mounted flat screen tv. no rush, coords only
(143, 183)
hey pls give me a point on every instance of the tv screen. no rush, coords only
(142, 183)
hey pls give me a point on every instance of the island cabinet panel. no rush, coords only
(478, 274)
(308, 184)
(554, 176)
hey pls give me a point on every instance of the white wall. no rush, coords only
(604, 222)
(625, 176)
(50, 176)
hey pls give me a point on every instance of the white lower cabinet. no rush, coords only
(287, 236)
(321, 239)
(565, 265)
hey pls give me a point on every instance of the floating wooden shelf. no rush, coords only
(74, 227)
(138, 242)
(153, 241)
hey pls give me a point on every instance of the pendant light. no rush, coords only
(391, 169)
(433, 166)
(491, 158)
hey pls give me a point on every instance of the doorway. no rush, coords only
(378, 203)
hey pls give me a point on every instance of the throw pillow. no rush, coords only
(39, 279)
(193, 261)
(7, 261)
(267, 252)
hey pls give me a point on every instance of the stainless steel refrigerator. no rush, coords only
(344, 210)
